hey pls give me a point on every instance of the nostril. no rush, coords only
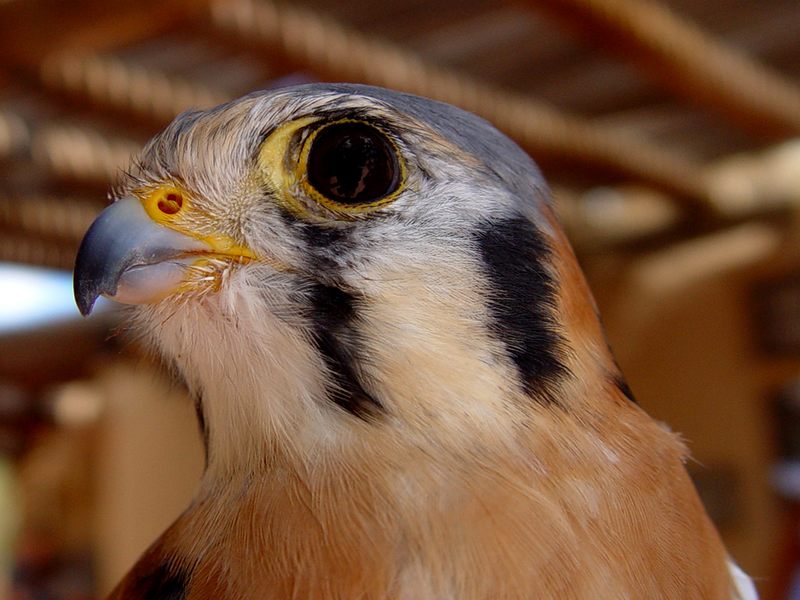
(171, 203)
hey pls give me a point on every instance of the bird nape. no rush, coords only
(405, 389)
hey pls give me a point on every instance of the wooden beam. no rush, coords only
(682, 57)
(126, 86)
(31, 30)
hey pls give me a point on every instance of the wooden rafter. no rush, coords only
(683, 58)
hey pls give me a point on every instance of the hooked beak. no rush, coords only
(129, 258)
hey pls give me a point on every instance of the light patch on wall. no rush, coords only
(32, 297)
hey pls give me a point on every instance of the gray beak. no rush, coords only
(128, 257)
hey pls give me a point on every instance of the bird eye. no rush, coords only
(352, 164)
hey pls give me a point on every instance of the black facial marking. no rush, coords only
(165, 582)
(203, 426)
(333, 316)
(326, 244)
(617, 378)
(623, 387)
(522, 302)
(325, 237)
(317, 236)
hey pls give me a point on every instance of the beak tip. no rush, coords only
(84, 298)
(85, 308)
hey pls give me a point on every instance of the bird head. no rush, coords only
(327, 262)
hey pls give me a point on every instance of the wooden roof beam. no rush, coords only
(30, 31)
(682, 57)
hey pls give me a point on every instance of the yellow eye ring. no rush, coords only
(351, 167)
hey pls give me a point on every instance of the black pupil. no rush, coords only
(352, 163)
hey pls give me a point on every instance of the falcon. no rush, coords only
(400, 375)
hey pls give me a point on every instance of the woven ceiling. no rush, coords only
(650, 100)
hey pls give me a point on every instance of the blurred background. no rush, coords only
(670, 132)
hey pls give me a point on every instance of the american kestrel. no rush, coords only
(402, 382)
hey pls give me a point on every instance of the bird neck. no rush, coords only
(438, 403)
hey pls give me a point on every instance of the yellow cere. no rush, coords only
(165, 204)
